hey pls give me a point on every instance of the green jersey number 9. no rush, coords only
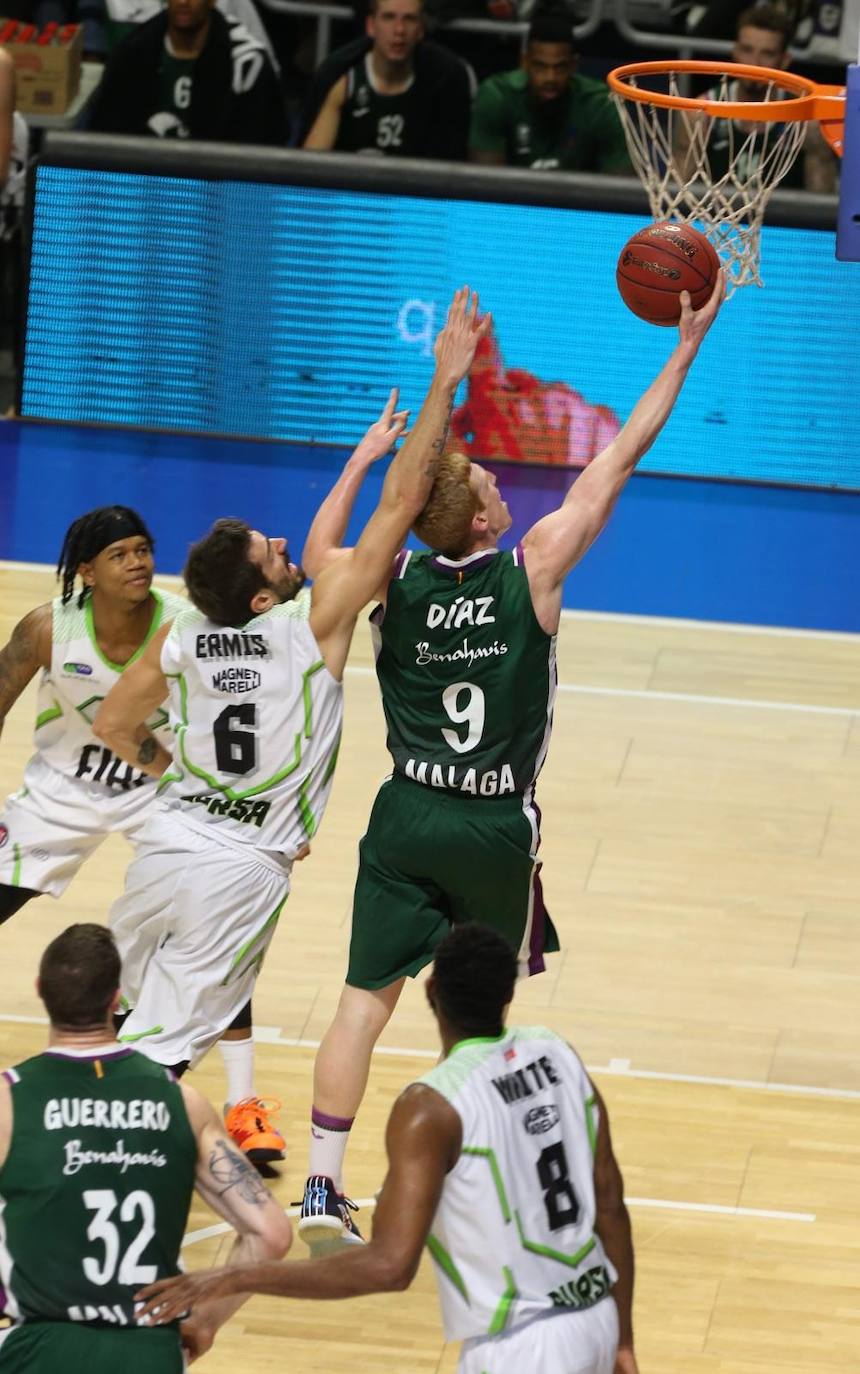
(464, 705)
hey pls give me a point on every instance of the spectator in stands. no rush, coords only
(390, 92)
(123, 16)
(545, 114)
(191, 72)
(824, 33)
(762, 39)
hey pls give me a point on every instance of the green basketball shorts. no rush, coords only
(431, 859)
(70, 1348)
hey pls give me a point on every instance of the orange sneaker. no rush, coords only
(249, 1127)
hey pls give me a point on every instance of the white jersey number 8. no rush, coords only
(471, 714)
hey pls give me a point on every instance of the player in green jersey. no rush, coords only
(100, 1153)
(466, 663)
(499, 1160)
(76, 790)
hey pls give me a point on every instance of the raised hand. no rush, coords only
(694, 324)
(455, 345)
(384, 432)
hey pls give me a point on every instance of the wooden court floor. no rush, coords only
(701, 814)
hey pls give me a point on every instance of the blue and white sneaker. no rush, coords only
(326, 1223)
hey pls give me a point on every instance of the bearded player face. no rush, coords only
(272, 555)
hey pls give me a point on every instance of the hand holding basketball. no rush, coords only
(694, 324)
(660, 262)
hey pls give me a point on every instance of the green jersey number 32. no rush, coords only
(101, 1269)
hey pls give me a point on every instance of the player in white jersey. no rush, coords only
(255, 678)
(500, 1161)
(76, 791)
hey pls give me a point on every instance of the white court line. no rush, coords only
(617, 1068)
(716, 1209)
(221, 1228)
(689, 698)
(644, 693)
(612, 617)
(622, 1069)
(729, 626)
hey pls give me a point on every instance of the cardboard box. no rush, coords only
(47, 75)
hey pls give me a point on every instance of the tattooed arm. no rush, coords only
(353, 580)
(231, 1186)
(138, 694)
(28, 650)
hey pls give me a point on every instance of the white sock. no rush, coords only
(238, 1056)
(329, 1139)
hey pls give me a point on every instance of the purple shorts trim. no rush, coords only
(536, 943)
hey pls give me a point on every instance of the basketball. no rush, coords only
(660, 262)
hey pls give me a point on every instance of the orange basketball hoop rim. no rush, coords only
(809, 100)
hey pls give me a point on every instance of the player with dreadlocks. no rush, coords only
(76, 791)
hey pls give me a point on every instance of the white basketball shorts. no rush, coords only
(192, 928)
(557, 1343)
(53, 823)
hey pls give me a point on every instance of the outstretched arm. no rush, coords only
(325, 537)
(423, 1142)
(130, 702)
(612, 1224)
(559, 540)
(350, 582)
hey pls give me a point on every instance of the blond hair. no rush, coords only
(445, 523)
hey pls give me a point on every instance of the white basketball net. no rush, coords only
(710, 171)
